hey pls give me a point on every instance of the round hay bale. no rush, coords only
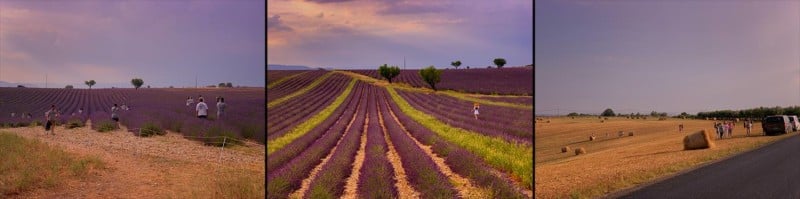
(605, 118)
(621, 133)
(579, 151)
(698, 140)
(565, 149)
(591, 138)
(602, 121)
(630, 134)
(548, 121)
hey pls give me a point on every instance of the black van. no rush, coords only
(776, 124)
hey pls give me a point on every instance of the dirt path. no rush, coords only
(351, 186)
(157, 167)
(404, 189)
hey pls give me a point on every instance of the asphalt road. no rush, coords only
(771, 171)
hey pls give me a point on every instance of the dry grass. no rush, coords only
(616, 162)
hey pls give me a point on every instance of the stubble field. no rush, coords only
(614, 163)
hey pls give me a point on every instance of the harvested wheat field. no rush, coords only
(613, 163)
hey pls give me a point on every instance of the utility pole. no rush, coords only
(195, 80)
(404, 62)
(45, 80)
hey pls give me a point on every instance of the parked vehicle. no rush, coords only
(776, 124)
(794, 121)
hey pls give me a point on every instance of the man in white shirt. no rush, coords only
(202, 109)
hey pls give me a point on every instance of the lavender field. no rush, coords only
(164, 108)
(347, 138)
(505, 81)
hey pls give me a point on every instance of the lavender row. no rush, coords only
(513, 81)
(376, 175)
(291, 150)
(293, 84)
(465, 121)
(513, 100)
(458, 159)
(281, 118)
(329, 182)
(275, 75)
(422, 172)
(287, 178)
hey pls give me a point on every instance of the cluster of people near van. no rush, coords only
(201, 108)
(725, 129)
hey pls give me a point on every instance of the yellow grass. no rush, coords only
(614, 163)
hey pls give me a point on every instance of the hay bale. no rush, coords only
(565, 149)
(548, 121)
(579, 151)
(602, 121)
(630, 134)
(698, 140)
(592, 138)
(621, 134)
(605, 118)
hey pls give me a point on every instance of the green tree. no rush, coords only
(456, 63)
(608, 112)
(572, 114)
(137, 82)
(90, 83)
(389, 72)
(500, 62)
(68, 87)
(221, 85)
(431, 76)
(229, 85)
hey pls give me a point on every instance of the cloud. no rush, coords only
(274, 23)
(413, 7)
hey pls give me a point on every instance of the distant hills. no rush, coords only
(287, 67)
(8, 84)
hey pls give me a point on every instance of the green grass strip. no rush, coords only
(312, 122)
(509, 157)
(316, 82)
(273, 84)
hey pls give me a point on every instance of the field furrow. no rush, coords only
(374, 180)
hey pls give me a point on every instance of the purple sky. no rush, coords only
(667, 56)
(163, 42)
(368, 33)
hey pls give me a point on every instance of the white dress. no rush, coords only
(476, 111)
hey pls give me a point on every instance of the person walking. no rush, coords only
(114, 114)
(202, 109)
(51, 116)
(720, 130)
(189, 101)
(221, 107)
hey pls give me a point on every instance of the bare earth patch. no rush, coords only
(156, 167)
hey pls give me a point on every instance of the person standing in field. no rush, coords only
(730, 129)
(747, 126)
(680, 128)
(202, 109)
(220, 106)
(50, 116)
(720, 130)
(189, 101)
(475, 110)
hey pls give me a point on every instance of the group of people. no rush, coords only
(725, 128)
(202, 112)
(23, 115)
(202, 108)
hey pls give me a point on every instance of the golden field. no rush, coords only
(615, 163)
